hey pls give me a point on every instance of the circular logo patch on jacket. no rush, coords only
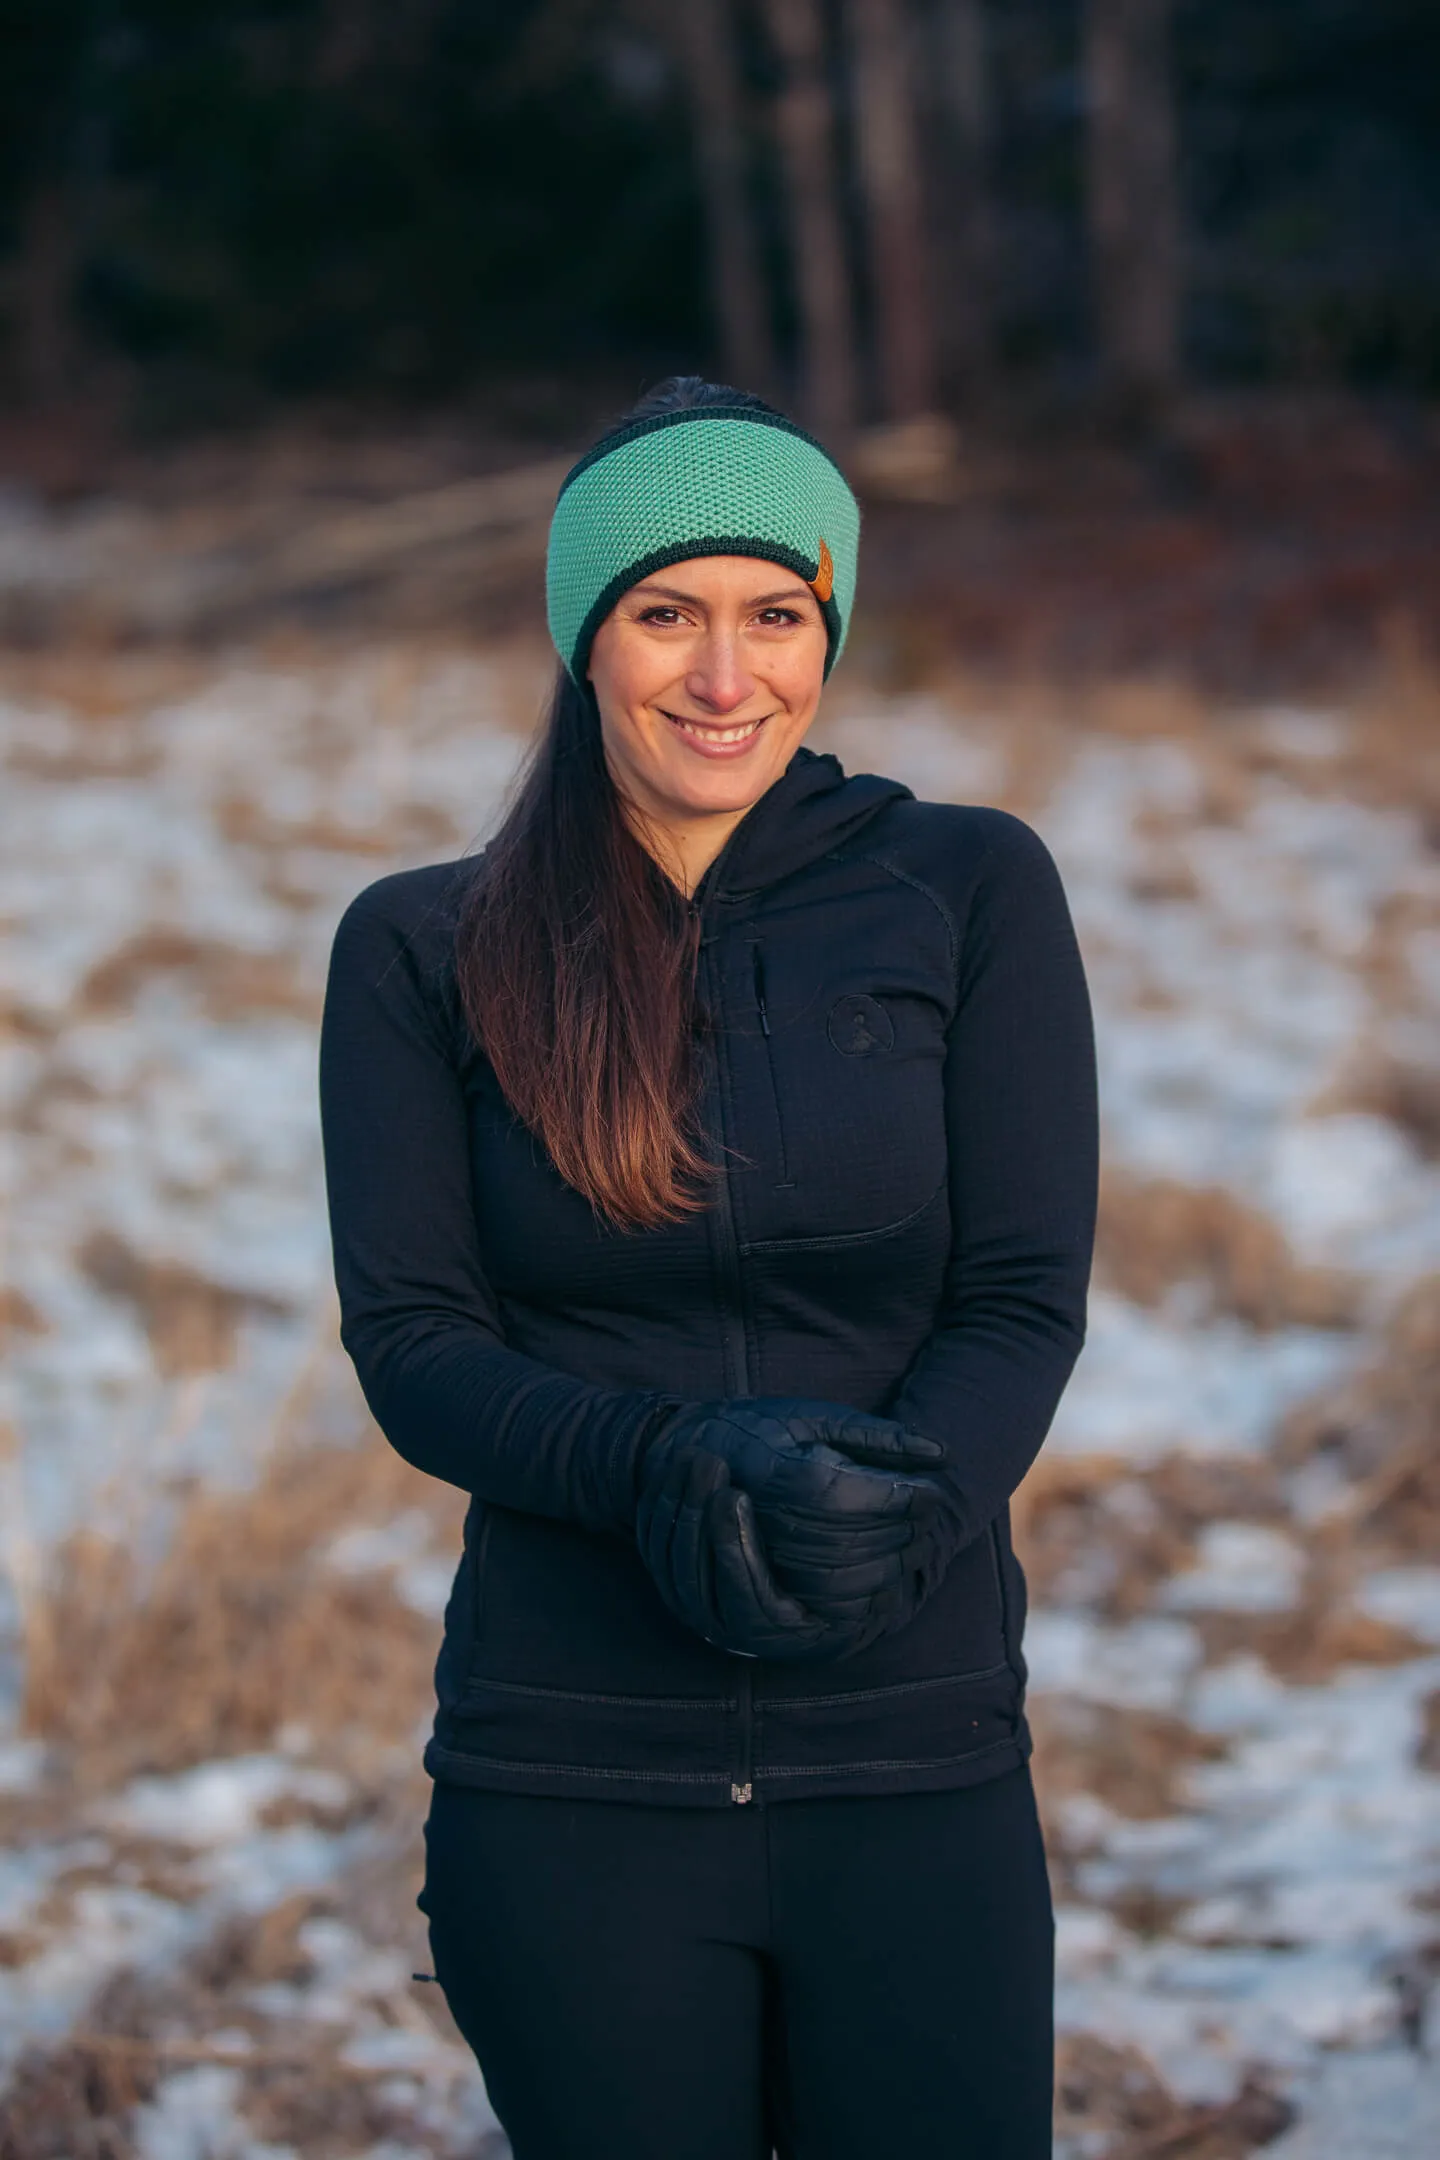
(859, 1026)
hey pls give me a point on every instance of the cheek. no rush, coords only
(635, 741)
(624, 682)
(622, 676)
(799, 679)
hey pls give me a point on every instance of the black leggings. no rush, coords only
(833, 1979)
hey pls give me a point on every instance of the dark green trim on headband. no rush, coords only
(682, 551)
(650, 423)
(711, 480)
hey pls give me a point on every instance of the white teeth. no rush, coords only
(714, 734)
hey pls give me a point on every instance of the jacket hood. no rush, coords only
(811, 809)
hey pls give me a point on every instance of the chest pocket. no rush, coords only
(837, 1087)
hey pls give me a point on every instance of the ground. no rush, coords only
(222, 1590)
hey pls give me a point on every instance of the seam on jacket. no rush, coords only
(941, 907)
(407, 948)
(877, 1694)
(580, 1695)
(916, 1762)
(937, 901)
(440, 1753)
(844, 1238)
(1012, 1643)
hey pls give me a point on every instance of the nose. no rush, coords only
(717, 677)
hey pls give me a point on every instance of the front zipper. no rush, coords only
(757, 968)
(732, 1314)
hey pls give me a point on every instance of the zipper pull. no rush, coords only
(741, 1795)
(758, 968)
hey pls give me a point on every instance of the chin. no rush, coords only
(727, 791)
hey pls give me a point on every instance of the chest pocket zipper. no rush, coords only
(757, 962)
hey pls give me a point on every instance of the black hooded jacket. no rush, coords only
(899, 1088)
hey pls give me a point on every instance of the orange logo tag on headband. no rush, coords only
(823, 582)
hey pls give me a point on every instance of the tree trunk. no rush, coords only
(888, 136)
(805, 125)
(739, 298)
(957, 76)
(1133, 196)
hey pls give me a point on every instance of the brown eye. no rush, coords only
(664, 616)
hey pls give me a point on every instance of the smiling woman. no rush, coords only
(700, 578)
(712, 1176)
(707, 677)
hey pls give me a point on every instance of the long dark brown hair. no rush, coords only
(576, 962)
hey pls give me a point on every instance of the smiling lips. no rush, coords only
(716, 741)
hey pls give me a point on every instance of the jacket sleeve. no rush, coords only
(418, 1316)
(1021, 1128)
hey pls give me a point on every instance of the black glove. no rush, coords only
(698, 1538)
(838, 1532)
(941, 1526)
(863, 1602)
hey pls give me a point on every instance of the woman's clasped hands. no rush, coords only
(792, 1529)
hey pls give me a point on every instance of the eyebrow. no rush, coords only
(672, 592)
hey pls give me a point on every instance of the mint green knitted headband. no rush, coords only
(709, 480)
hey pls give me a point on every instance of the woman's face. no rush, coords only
(707, 676)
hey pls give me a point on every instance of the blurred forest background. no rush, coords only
(1125, 317)
(209, 205)
(1144, 294)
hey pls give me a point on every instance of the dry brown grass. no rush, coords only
(1156, 1233)
(19, 1315)
(1110, 1535)
(295, 2086)
(192, 1323)
(227, 981)
(407, 828)
(1408, 1095)
(70, 2103)
(1381, 1429)
(101, 685)
(1310, 1643)
(1112, 2095)
(1135, 1761)
(1427, 1752)
(239, 1630)
(1394, 753)
(1120, 1530)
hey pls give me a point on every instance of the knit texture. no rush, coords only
(710, 481)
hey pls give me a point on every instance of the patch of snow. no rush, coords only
(1408, 1597)
(1228, 960)
(1365, 2106)
(114, 1926)
(1144, 1665)
(1088, 1940)
(1296, 1870)
(1148, 1384)
(1333, 1179)
(1301, 731)
(22, 1763)
(195, 2116)
(1241, 1567)
(219, 1801)
(371, 1548)
(921, 739)
(401, 1548)
(110, 1926)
